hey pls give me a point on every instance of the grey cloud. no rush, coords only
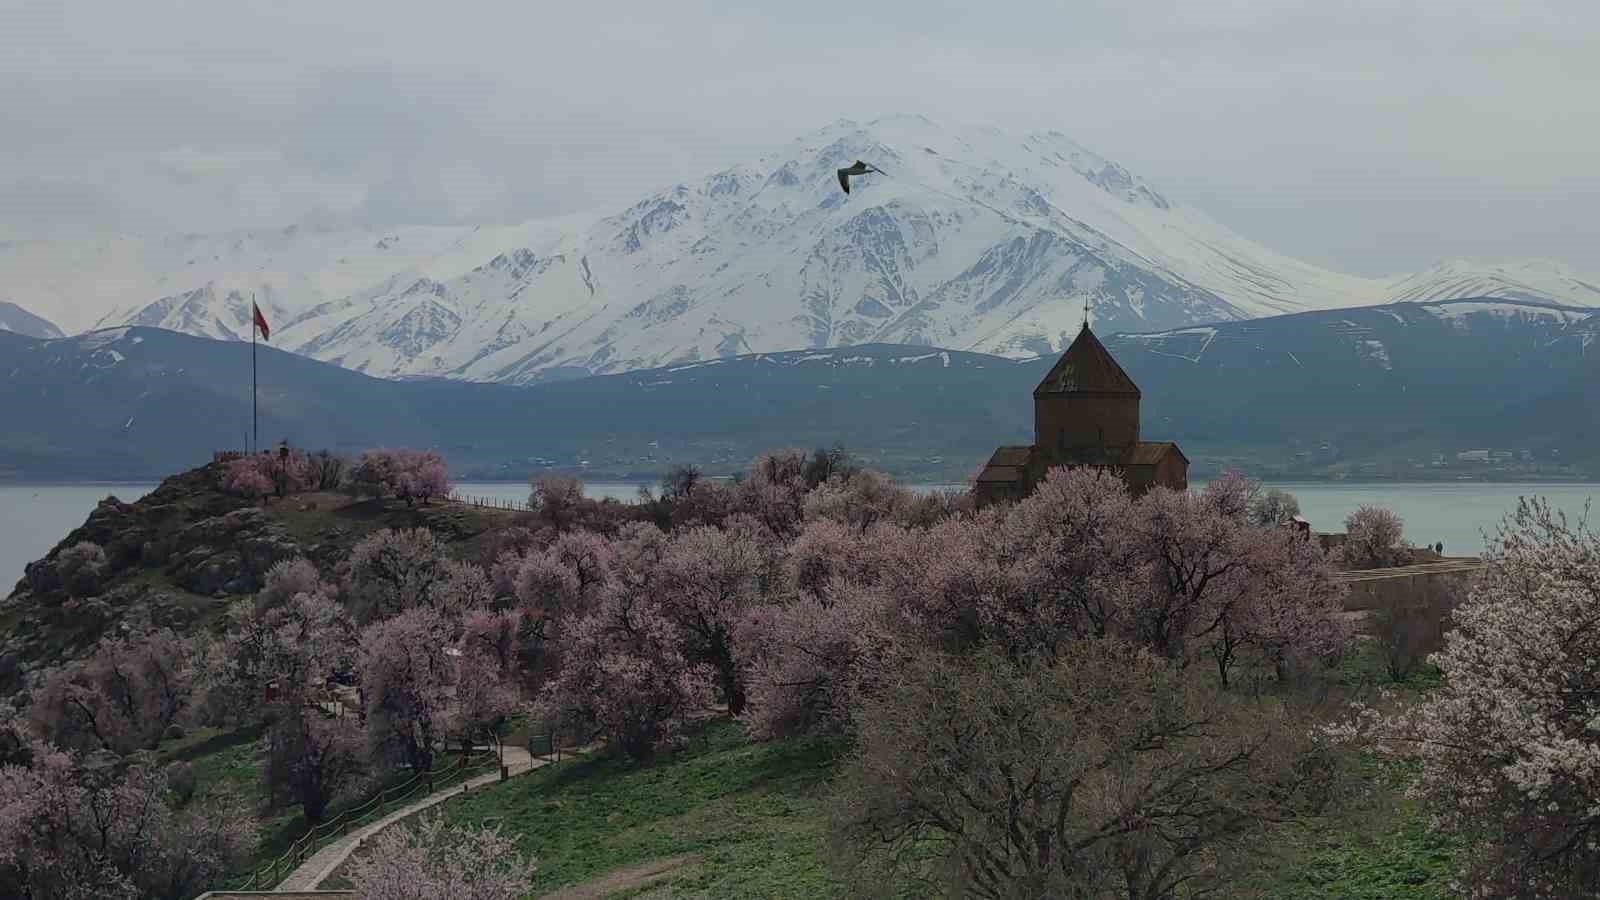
(1371, 135)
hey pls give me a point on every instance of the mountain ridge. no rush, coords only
(1363, 392)
(975, 239)
(17, 320)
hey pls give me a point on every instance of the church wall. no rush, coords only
(1172, 472)
(1076, 420)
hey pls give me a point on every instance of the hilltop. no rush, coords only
(183, 554)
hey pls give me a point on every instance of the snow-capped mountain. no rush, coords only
(974, 240)
(106, 281)
(1534, 279)
(15, 319)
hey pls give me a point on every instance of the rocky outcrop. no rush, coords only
(175, 558)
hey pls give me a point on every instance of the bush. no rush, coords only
(81, 568)
(325, 470)
(430, 862)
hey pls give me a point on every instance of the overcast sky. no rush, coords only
(1372, 136)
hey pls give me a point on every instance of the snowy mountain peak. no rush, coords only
(15, 319)
(970, 238)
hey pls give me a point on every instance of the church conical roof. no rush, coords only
(1087, 368)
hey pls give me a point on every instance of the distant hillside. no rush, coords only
(1375, 391)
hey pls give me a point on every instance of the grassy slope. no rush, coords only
(750, 814)
(752, 817)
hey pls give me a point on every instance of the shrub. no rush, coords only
(81, 568)
(325, 470)
(431, 862)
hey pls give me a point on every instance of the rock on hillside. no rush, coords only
(181, 555)
(173, 559)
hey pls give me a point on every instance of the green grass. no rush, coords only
(751, 818)
(750, 814)
(1381, 850)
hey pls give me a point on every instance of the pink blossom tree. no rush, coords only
(860, 499)
(707, 579)
(407, 677)
(272, 659)
(260, 474)
(1211, 583)
(555, 500)
(1066, 556)
(623, 678)
(431, 862)
(122, 698)
(1374, 539)
(828, 553)
(393, 570)
(1508, 744)
(485, 694)
(568, 575)
(807, 663)
(75, 828)
(774, 491)
(409, 475)
(313, 755)
(273, 667)
(245, 478)
(288, 578)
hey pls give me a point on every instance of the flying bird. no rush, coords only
(860, 168)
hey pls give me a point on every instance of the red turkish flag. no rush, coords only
(261, 322)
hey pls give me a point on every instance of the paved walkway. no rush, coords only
(1452, 566)
(318, 866)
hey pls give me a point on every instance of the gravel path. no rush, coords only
(318, 866)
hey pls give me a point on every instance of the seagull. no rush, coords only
(859, 168)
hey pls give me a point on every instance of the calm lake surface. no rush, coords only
(34, 517)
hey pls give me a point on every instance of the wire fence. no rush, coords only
(491, 502)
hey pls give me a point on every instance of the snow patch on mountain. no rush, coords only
(15, 319)
(973, 240)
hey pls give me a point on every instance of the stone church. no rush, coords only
(1085, 413)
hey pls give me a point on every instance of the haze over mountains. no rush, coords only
(976, 240)
(1378, 391)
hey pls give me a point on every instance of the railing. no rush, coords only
(491, 502)
(268, 876)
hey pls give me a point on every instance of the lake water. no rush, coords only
(34, 517)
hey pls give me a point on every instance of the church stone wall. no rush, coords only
(1064, 421)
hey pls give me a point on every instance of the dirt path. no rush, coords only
(321, 864)
(622, 879)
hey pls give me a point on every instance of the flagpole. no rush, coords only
(255, 428)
